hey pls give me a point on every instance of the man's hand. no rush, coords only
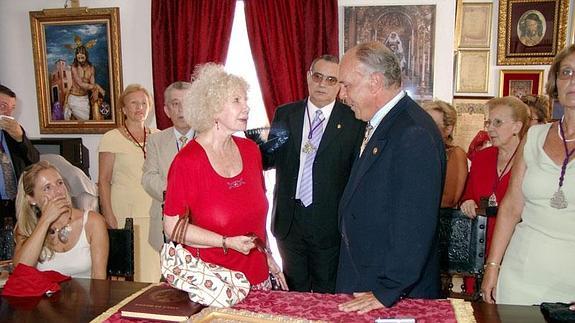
(12, 127)
(363, 303)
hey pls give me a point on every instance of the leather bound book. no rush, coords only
(162, 303)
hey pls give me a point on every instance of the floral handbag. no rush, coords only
(206, 283)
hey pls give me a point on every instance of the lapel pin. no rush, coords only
(374, 151)
(339, 126)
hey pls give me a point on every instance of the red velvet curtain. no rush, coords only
(285, 36)
(184, 34)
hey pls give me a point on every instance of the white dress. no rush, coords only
(539, 264)
(76, 262)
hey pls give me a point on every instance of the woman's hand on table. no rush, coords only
(276, 271)
(362, 303)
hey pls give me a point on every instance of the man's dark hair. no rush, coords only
(329, 58)
(6, 91)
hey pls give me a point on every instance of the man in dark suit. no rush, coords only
(389, 209)
(312, 168)
(16, 152)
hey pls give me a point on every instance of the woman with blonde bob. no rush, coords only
(121, 159)
(445, 116)
(218, 179)
(53, 235)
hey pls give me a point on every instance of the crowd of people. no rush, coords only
(359, 185)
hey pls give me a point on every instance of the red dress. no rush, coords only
(481, 181)
(228, 206)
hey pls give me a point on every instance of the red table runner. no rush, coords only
(314, 306)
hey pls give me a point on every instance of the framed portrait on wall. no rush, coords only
(407, 30)
(520, 82)
(78, 68)
(472, 71)
(473, 27)
(531, 32)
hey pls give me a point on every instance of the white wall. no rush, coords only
(17, 63)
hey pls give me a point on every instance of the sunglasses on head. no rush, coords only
(318, 78)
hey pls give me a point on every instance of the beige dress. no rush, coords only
(130, 200)
(539, 263)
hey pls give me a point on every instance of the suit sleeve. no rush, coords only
(417, 177)
(152, 180)
(24, 149)
(269, 159)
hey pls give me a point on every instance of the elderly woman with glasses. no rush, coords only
(538, 108)
(491, 167)
(532, 257)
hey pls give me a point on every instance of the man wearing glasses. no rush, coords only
(312, 168)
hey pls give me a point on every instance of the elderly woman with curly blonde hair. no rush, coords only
(218, 179)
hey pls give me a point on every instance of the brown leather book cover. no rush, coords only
(163, 303)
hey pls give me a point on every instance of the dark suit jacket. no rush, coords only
(389, 210)
(338, 148)
(22, 153)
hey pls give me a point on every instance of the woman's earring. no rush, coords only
(36, 209)
(217, 125)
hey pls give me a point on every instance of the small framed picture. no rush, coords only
(520, 82)
(472, 71)
(474, 25)
(531, 32)
(471, 115)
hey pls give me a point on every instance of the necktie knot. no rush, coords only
(183, 141)
(368, 130)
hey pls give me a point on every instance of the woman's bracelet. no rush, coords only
(492, 264)
(224, 245)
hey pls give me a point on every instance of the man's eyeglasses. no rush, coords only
(565, 73)
(318, 77)
(496, 123)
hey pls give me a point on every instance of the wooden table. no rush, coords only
(81, 300)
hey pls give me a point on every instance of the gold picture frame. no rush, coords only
(520, 82)
(531, 32)
(77, 63)
(472, 74)
(474, 24)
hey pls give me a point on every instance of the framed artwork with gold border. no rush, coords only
(520, 82)
(77, 62)
(531, 32)
(473, 29)
(472, 71)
